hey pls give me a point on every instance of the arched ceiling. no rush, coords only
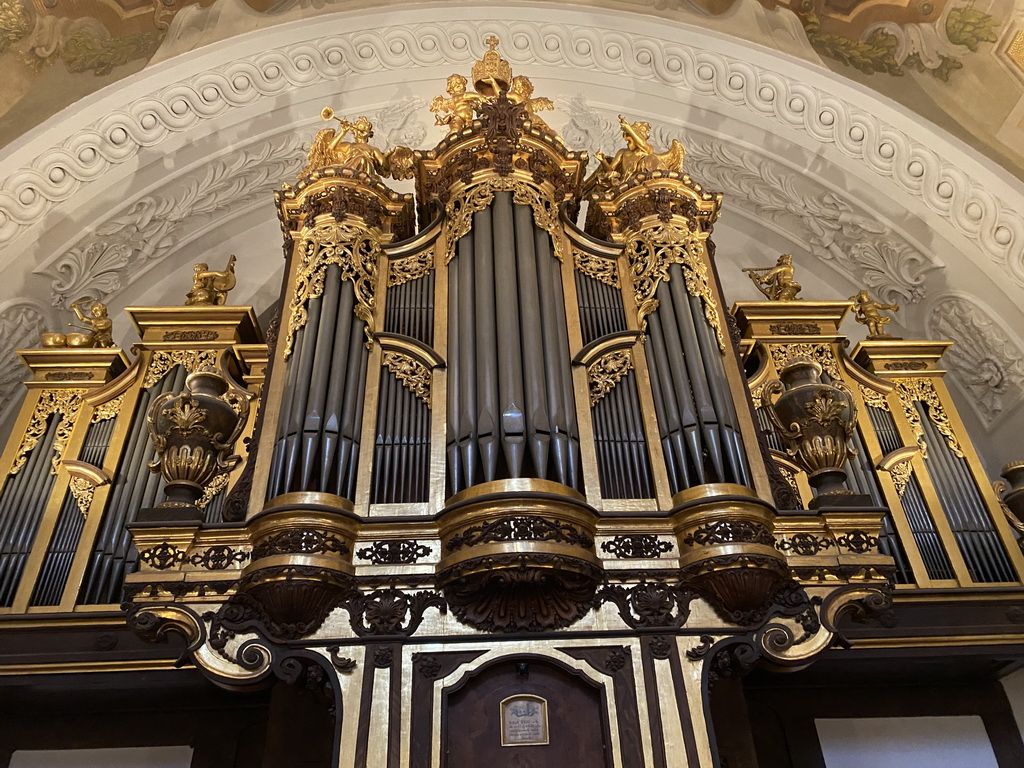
(119, 193)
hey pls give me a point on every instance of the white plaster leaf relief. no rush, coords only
(120, 249)
(986, 360)
(398, 124)
(21, 322)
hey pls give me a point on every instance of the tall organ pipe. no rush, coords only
(486, 346)
(510, 354)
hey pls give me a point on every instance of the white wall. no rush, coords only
(909, 742)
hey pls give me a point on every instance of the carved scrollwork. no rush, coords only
(873, 398)
(410, 372)
(641, 546)
(164, 360)
(901, 473)
(730, 532)
(804, 544)
(411, 267)
(390, 611)
(607, 371)
(65, 402)
(218, 557)
(300, 542)
(822, 354)
(460, 209)
(355, 250)
(162, 556)
(597, 267)
(520, 529)
(649, 604)
(858, 542)
(108, 410)
(921, 389)
(652, 251)
(394, 552)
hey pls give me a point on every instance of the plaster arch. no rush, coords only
(176, 163)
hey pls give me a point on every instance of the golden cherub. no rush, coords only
(209, 287)
(637, 156)
(329, 148)
(97, 326)
(868, 312)
(456, 111)
(777, 282)
(521, 92)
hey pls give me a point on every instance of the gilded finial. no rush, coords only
(491, 74)
(776, 283)
(867, 311)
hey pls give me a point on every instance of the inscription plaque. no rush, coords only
(524, 721)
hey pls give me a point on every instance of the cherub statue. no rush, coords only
(777, 282)
(868, 312)
(636, 157)
(97, 327)
(329, 148)
(211, 288)
(456, 111)
(521, 92)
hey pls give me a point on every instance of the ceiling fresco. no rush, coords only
(959, 64)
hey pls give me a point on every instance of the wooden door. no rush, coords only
(577, 728)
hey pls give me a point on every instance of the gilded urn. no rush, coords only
(816, 421)
(193, 432)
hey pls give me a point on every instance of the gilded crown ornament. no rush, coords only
(492, 77)
(868, 312)
(209, 287)
(776, 283)
(816, 421)
(193, 432)
(96, 331)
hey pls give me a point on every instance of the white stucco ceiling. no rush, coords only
(119, 194)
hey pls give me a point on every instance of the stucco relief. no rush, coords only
(21, 321)
(832, 227)
(987, 360)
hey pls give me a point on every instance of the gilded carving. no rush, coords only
(873, 398)
(900, 474)
(215, 486)
(922, 390)
(355, 250)
(82, 491)
(638, 156)
(358, 155)
(210, 287)
(190, 359)
(605, 372)
(820, 353)
(868, 312)
(410, 268)
(597, 267)
(97, 328)
(776, 283)
(65, 402)
(413, 374)
(460, 210)
(651, 252)
(108, 410)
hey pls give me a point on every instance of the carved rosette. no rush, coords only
(194, 432)
(815, 420)
(727, 547)
(518, 555)
(301, 563)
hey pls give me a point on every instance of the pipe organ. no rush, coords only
(498, 460)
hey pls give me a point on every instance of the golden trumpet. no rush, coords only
(327, 113)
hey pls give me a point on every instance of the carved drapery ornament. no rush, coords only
(920, 389)
(355, 250)
(413, 375)
(651, 252)
(597, 267)
(65, 402)
(605, 372)
(460, 209)
(190, 359)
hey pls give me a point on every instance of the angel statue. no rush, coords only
(638, 156)
(867, 312)
(456, 111)
(330, 148)
(97, 326)
(777, 282)
(521, 92)
(211, 288)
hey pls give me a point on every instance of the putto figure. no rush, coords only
(209, 287)
(456, 111)
(868, 312)
(777, 282)
(638, 156)
(97, 326)
(330, 148)
(521, 92)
